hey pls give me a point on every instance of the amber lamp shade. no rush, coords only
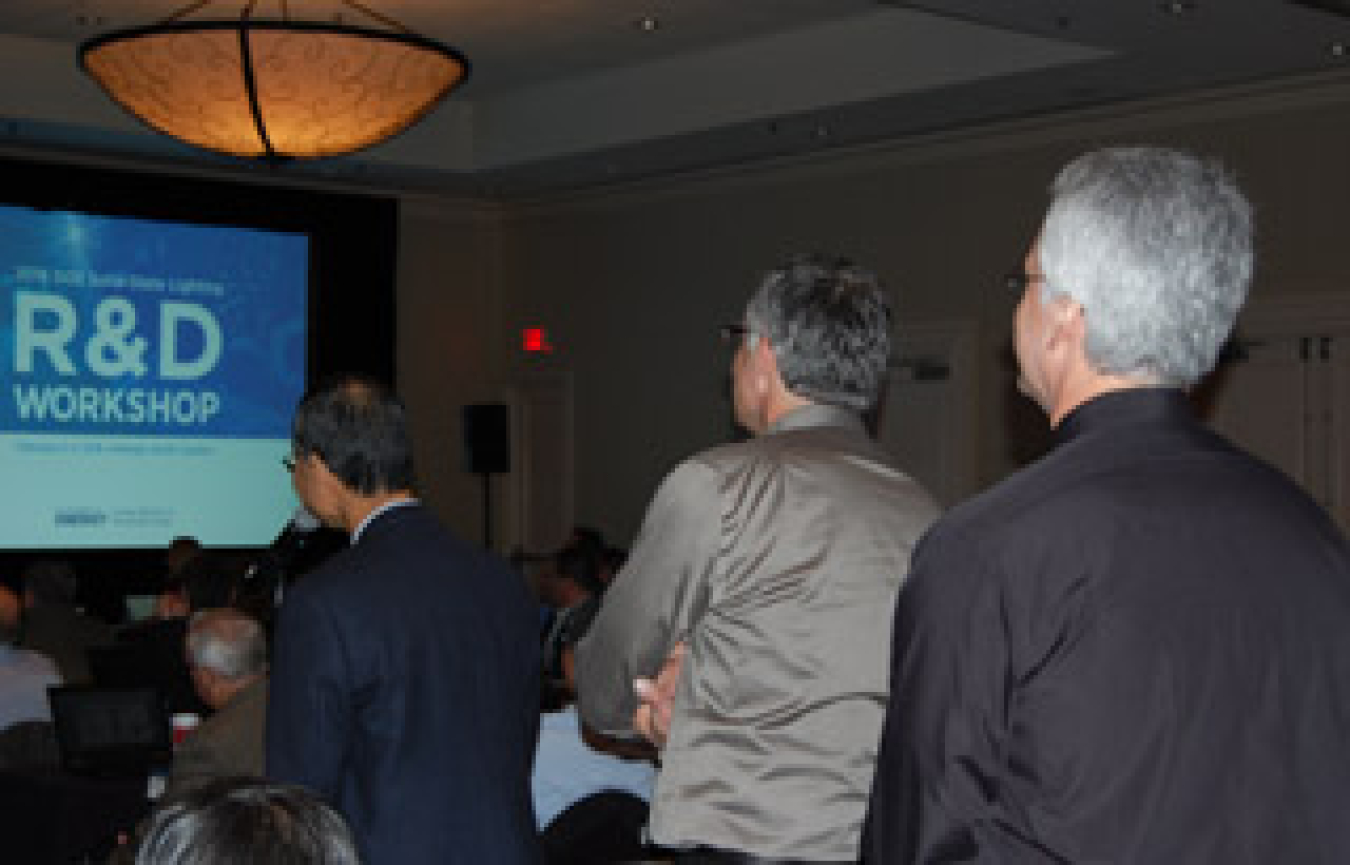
(274, 90)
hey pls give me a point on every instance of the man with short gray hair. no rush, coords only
(227, 655)
(1136, 649)
(766, 571)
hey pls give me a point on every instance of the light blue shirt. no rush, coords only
(567, 770)
(24, 678)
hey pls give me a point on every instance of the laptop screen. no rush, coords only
(140, 607)
(102, 729)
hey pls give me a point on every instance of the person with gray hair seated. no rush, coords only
(227, 655)
(1136, 649)
(237, 820)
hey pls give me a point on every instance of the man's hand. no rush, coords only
(652, 718)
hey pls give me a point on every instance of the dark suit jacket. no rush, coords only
(404, 690)
(230, 742)
(1134, 651)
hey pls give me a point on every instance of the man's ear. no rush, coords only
(207, 680)
(1067, 324)
(322, 472)
(764, 358)
(765, 364)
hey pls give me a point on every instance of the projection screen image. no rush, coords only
(152, 369)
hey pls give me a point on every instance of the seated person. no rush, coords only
(227, 655)
(572, 587)
(205, 581)
(590, 802)
(25, 675)
(53, 626)
(590, 791)
(246, 820)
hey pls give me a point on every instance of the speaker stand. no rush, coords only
(487, 510)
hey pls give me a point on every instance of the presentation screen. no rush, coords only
(152, 369)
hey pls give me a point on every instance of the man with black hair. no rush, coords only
(405, 675)
(572, 587)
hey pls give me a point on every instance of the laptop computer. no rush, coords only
(110, 730)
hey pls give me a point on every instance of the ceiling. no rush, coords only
(567, 94)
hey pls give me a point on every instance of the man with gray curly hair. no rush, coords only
(1137, 648)
(758, 593)
(240, 819)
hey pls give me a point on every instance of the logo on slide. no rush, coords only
(80, 517)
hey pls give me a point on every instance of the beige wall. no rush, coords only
(449, 314)
(632, 283)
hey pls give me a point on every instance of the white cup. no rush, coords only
(182, 724)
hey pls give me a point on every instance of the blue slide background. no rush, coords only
(259, 286)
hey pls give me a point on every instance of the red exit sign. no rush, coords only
(535, 341)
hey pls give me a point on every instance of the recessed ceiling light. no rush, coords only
(1178, 7)
(1338, 49)
(648, 24)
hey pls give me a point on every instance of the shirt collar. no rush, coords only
(382, 509)
(816, 415)
(1129, 406)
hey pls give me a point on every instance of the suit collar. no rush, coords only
(379, 512)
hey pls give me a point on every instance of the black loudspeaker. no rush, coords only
(487, 439)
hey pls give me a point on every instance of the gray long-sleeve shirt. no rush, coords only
(777, 560)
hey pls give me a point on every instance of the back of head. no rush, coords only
(208, 580)
(227, 642)
(581, 563)
(238, 821)
(358, 428)
(181, 550)
(1156, 246)
(50, 582)
(829, 323)
(586, 537)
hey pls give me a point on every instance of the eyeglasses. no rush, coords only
(289, 463)
(734, 334)
(1017, 281)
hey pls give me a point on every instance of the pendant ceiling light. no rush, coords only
(274, 89)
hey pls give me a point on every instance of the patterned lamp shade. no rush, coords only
(273, 90)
